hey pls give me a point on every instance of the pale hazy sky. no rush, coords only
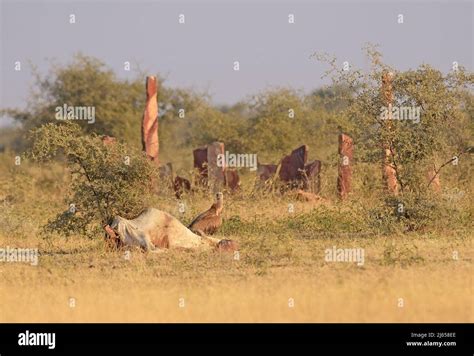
(200, 53)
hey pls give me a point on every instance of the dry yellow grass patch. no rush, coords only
(190, 287)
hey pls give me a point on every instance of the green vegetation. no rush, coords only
(77, 168)
(106, 180)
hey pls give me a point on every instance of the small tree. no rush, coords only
(416, 144)
(438, 133)
(106, 179)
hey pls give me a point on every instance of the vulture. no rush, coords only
(209, 221)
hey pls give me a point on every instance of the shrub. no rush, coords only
(106, 180)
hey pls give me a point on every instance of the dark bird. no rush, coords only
(181, 185)
(209, 221)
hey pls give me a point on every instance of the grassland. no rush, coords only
(106, 287)
(280, 275)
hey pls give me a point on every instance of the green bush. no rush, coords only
(106, 180)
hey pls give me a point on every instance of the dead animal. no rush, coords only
(155, 230)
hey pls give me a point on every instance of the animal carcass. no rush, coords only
(154, 229)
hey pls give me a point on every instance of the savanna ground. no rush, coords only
(417, 263)
(280, 274)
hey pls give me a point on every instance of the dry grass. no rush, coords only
(281, 257)
(216, 288)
